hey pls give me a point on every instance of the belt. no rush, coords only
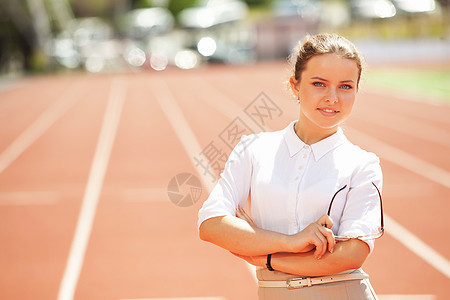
(296, 283)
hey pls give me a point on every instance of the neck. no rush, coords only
(312, 134)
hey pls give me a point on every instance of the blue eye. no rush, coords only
(318, 84)
(346, 87)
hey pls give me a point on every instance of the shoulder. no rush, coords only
(354, 152)
(259, 146)
(363, 166)
(353, 160)
(360, 155)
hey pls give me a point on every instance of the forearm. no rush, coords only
(346, 255)
(238, 236)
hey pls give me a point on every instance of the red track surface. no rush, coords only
(144, 246)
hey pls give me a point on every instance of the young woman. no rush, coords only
(308, 185)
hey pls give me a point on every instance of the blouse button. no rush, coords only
(300, 168)
(304, 155)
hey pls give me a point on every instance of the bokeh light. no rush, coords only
(159, 61)
(186, 59)
(207, 46)
(135, 57)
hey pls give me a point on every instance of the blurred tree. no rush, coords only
(100, 8)
(26, 28)
(259, 2)
(18, 39)
(175, 6)
(14, 48)
(88, 8)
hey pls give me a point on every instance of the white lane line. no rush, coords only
(221, 102)
(185, 134)
(20, 198)
(402, 158)
(417, 246)
(93, 188)
(406, 125)
(437, 101)
(420, 167)
(407, 190)
(180, 125)
(40, 125)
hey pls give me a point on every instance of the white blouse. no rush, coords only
(291, 184)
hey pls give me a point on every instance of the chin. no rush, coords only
(328, 126)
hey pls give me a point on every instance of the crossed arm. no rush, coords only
(311, 252)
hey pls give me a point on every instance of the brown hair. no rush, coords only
(324, 43)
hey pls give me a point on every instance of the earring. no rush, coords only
(298, 100)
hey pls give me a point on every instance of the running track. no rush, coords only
(85, 162)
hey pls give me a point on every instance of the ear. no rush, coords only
(294, 86)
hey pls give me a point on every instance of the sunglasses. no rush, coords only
(362, 237)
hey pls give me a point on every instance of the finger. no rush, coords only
(325, 221)
(315, 238)
(328, 234)
(327, 239)
(325, 246)
(321, 244)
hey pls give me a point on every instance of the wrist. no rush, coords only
(287, 244)
(296, 244)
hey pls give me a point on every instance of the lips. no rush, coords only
(329, 112)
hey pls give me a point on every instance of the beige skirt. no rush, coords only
(343, 290)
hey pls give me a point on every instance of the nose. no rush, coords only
(331, 96)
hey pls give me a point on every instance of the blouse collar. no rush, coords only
(319, 149)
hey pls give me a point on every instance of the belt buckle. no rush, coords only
(289, 286)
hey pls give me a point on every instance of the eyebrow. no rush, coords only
(323, 79)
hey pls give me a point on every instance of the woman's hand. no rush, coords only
(317, 235)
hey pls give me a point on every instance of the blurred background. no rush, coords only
(204, 65)
(123, 35)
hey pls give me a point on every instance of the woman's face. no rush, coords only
(327, 89)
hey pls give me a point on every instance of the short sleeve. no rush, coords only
(232, 188)
(362, 212)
